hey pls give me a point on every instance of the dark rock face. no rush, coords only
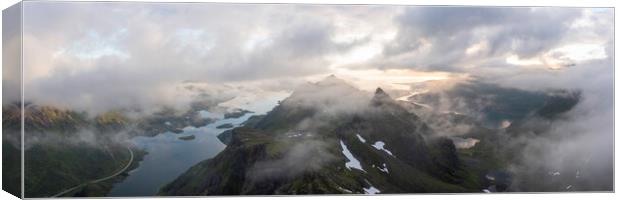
(225, 137)
(380, 96)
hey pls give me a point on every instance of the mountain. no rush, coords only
(64, 148)
(495, 125)
(496, 104)
(329, 137)
(11, 149)
(47, 118)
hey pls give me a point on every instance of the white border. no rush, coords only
(564, 3)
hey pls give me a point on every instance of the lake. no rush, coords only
(168, 156)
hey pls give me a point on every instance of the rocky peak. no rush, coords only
(381, 97)
(380, 92)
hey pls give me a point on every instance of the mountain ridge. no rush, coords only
(396, 158)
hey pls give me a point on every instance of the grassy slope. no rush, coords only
(11, 168)
(102, 188)
(51, 169)
(52, 166)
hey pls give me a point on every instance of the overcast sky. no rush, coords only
(123, 54)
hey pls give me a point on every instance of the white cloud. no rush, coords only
(135, 50)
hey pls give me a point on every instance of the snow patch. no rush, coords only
(383, 169)
(296, 134)
(379, 146)
(371, 189)
(344, 190)
(359, 137)
(353, 163)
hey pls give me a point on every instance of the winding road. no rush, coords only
(100, 179)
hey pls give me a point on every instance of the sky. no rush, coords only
(117, 54)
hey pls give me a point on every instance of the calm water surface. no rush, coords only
(168, 157)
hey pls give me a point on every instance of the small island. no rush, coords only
(227, 125)
(189, 137)
(236, 113)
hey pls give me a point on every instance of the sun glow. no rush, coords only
(395, 79)
(563, 56)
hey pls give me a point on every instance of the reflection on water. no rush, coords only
(168, 157)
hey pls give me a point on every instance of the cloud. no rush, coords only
(139, 52)
(135, 53)
(471, 39)
(582, 144)
(580, 148)
(305, 156)
(11, 51)
(577, 144)
(329, 97)
(461, 143)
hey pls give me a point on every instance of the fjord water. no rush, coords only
(168, 156)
